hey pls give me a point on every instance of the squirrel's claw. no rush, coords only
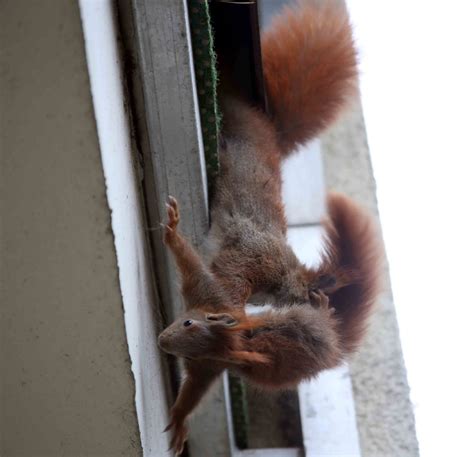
(173, 219)
(179, 437)
(319, 299)
(173, 202)
(173, 211)
(179, 434)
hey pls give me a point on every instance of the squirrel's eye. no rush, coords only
(188, 323)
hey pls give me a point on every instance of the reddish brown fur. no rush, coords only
(310, 72)
(353, 257)
(310, 69)
(299, 342)
(276, 349)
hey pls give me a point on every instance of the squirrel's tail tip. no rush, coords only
(356, 248)
(310, 69)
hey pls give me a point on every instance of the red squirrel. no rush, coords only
(318, 316)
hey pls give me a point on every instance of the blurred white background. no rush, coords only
(417, 65)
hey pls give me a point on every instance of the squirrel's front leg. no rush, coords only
(186, 258)
(198, 283)
(200, 376)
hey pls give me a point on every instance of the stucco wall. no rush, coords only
(382, 398)
(67, 387)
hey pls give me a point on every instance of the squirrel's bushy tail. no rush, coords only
(353, 258)
(310, 69)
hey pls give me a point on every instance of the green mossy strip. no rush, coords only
(240, 414)
(205, 67)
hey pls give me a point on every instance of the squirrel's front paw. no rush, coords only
(179, 434)
(320, 300)
(173, 219)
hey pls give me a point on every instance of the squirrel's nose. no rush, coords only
(162, 341)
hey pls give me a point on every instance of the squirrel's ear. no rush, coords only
(222, 318)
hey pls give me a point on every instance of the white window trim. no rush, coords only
(139, 300)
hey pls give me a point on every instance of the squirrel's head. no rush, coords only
(197, 334)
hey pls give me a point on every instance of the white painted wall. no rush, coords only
(101, 39)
